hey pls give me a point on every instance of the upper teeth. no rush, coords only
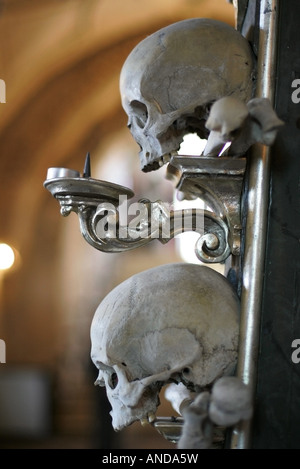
(144, 422)
(149, 419)
(167, 158)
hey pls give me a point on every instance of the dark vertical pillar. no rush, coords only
(276, 422)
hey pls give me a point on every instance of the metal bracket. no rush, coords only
(219, 183)
(97, 205)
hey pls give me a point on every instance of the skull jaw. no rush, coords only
(124, 415)
(155, 152)
(157, 147)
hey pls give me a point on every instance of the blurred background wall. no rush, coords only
(61, 61)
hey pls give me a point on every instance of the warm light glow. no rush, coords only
(7, 256)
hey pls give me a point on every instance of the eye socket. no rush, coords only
(140, 112)
(113, 381)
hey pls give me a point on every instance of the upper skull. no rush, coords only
(171, 78)
(176, 322)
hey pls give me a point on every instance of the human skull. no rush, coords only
(171, 78)
(173, 323)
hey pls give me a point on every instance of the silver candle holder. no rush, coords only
(218, 181)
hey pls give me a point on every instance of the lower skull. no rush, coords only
(173, 323)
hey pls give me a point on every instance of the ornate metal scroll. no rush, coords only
(218, 182)
(97, 204)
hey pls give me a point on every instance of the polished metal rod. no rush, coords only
(256, 224)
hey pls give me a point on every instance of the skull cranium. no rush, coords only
(173, 323)
(171, 78)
